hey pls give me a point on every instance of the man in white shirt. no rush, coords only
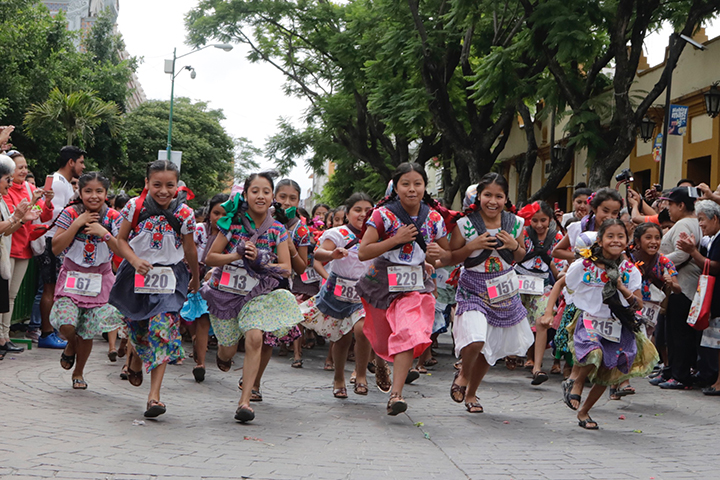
(71, 164)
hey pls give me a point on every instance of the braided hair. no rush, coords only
(597, 199)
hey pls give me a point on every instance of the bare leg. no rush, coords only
(329, 358)
(266, 355)
(251, 365)
(540, 343)
(424, 357)
(68, 331)
(340, 351)
(297, 349)
(362, 353)
(46, 303)
(202, 331)
(112, 338)
(156, 378)
(595, 393)
(226, 353)
(83, 348)
(401, 365)
(474, 367)
(582, 373)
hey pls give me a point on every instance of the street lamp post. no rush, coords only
(170, 68)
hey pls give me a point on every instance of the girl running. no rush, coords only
(402, 233)
(153, 281)
(195, 311)
(541, 271)
(86, 235)
(607, 344)
(245, 294)
(337, 311)
(490, 321)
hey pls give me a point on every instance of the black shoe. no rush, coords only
(10, 347)
(412, 376)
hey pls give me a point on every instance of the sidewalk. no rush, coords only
(302, 431)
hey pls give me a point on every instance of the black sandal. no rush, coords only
(397, 406)
(244, 414)
(135, 378)
(68, 359)
(539, 377)
(567, 386)
(223, 365)
(584, 424)
(155, 408)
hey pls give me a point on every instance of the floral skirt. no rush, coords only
(561, 341)
(276, 312)
(157, 341)
(88, 322)
(645, 359)
(329, 327)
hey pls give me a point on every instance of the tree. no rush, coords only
(580, 39)
(208, 151)
(79, 114)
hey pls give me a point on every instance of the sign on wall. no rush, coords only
(678, 120)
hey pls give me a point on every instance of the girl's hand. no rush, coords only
(37, 194)
(686, 242)
(434, 252)
(96, 229)
(194, 285)
(482, 242)
(250, 251)
(509, 242)
(429, 269)
(405, 234)
(339, 253)
(667, 278)
(142, 266)
(87, 217)
(208, 275)
(545, 321)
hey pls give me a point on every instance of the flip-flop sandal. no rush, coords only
(154, 409)
(340, 392)
(382, 379)
(421, 370)
(113, 356)
(614, 394)
(353, 378)
(397, 406)
(135, 378)
(474, 407)
(199, 373)
(79, 384)
(68, 359)
(297, 363)
(223, 365)
(256, 396)
(244, 414)
(412, 376)
(455, 389)
(567, 386)
(584, 424)
(431, 362)
(124, 373)
(539, 377)
(361, 389)
(329, 367)
(628, 390)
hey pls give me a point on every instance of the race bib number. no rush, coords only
(503, 287)
(345, 290)
(441, 277)
(651, 312)
(608, 328)
(405, 278)
(85, 284)
(158, 280)
(531, 285)
(310, 275)
(236, 280)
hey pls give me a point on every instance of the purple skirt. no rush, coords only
(619, 355)
(472, 295)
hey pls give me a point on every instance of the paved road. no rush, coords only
(301, 431)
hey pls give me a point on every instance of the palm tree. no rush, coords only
(77, 113)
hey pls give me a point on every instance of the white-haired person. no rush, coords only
(708, 216)
(9, 224)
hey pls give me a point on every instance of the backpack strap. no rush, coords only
(507, 223)
(406, 219)
(139, 201)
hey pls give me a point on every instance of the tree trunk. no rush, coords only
(527, 164)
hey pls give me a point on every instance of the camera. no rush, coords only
(625, 176)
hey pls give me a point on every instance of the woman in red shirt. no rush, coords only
(20, 252)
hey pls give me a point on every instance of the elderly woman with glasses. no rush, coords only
(9, 224)
(708, 215)
(20, 252)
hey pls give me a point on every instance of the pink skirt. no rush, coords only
(405, 325)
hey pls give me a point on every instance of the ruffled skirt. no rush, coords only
(329, 327)
(472, 326)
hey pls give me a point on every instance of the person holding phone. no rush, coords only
(71, 164)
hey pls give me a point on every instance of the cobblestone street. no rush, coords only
(301, 431)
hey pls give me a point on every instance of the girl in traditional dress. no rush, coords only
(336, 312)
(86, 235)
(541, 270)
(490, 320)
(152, 283)
(406, 236)
(247, 294)
(605, 337)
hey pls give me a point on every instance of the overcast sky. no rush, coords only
(250, 95)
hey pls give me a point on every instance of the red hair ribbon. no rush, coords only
(528, 211)
(190, 194)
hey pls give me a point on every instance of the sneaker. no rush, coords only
(51, 341)
(673, 384)
(33, 335)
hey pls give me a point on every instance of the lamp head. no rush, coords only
(192, 73)
(223, 46)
